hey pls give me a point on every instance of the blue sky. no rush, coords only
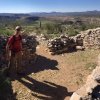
(24, 6)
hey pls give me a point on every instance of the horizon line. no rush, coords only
(47, 12)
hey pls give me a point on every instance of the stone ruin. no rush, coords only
(29, 43)
(90, 38)
(61, 44)
(3, 62)
(91, 90)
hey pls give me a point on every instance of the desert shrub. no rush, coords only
(71, 31)
(91, 65)
(5, 31)
(52, 28)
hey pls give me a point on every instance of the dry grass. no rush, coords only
(69, 73)
(81, 64)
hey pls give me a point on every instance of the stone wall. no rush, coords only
(29, 43)
(89, 38)
(61, 44)
(91, 90)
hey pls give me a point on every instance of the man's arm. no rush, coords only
(7, 52)
(7, 48)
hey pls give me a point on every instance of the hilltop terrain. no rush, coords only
(55, 77)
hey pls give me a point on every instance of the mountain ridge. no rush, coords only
(43, 14)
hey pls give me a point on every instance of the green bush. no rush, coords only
(6, 32)
(52, 28)
(72, 31)
(91, 65)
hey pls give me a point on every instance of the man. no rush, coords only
(14, 47)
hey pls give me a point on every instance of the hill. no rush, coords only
(87, 13)
(43, 14)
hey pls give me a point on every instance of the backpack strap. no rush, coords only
(20, 37)
(14, 38)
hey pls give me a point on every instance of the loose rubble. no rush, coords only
(90, 38)
(61, 44)
(29, 43)
(3, 41)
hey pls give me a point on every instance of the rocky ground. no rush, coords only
(54, 77)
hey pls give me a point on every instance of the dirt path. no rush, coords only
(50, 78)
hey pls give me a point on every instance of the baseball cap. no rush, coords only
(18, 28)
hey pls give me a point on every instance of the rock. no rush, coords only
(91, 90)
(80, 48)
(61, 44)
(42, 37)
(75, 96)
(90, 86)
(89, 38)
(96, 74)
(3, 62)
(96, 93)
(29, 43)
(87, 98)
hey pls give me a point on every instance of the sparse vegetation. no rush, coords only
(5, 31)
(74, 66)
(49, 25)
(91, 65)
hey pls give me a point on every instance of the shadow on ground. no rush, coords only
(96, 93)
(41, 64)
(6, 92)
(50, 91)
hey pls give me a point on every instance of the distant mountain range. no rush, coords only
(87, 13)
(43, 14)
(14, 14)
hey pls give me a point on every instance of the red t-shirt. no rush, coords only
(15, 43)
